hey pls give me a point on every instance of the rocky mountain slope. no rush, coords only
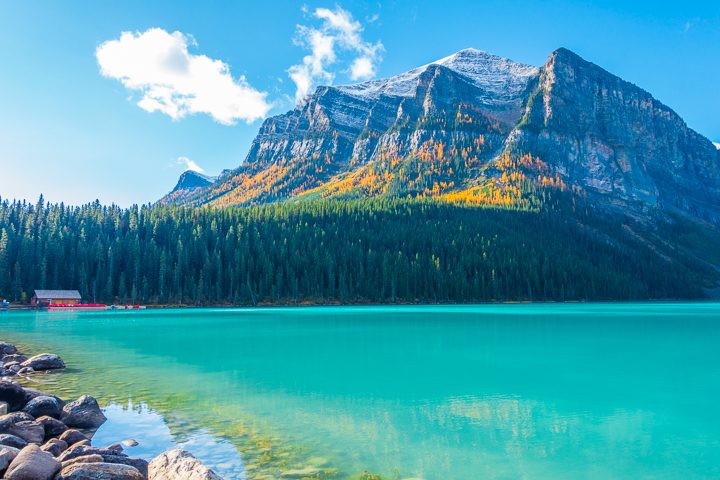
(474, 127)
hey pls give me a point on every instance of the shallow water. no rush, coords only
(444, 392)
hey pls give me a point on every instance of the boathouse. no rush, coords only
(43, 298)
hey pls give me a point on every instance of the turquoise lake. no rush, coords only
(548, 391)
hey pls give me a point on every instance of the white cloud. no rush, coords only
(189, 164)
(362, 68)
(176, 82)
(338, 32)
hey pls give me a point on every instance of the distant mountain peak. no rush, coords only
(192, 179)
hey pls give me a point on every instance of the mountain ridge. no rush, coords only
(449, 126)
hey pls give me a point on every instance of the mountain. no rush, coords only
(189, 182)
(477, 128)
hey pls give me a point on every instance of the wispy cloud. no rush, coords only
(338, 32)
(176, 82)
(189, 164)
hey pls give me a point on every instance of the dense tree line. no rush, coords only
(328, 251)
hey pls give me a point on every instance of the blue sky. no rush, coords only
(79, 125)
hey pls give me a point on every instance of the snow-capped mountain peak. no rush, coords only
(491, 73)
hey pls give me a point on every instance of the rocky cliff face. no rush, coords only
(449, 128)
(616, 142)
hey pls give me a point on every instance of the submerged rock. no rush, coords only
(7, 348)
(301, 473)
(12, 358)
(44, 361)
(99, 471)
(44, 406)
(179, 465)
(83, 413)
(32, 464)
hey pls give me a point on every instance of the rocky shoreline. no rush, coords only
(43, 437)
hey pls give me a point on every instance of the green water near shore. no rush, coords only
(440, 392)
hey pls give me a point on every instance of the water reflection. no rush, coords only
(154, 436)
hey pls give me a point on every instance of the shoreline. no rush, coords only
(308, 304)
(45, 437)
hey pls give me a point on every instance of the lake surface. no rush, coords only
(568, 391)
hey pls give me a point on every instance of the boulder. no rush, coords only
(4, 372)
(54, 446)
(94, 458)
(23, 370)
(12, 394)
(139, 463)
(54, 427)
(83, 413)
(115, 447)
(7, 348)
(79, 450)
(12, 418)
(44, 406)
(31, 393)
(44, 361)
(12, 441)
(16, 357)
(179, 465)
(30, 431)
(32, 464)
(7, 455)
(99, 471)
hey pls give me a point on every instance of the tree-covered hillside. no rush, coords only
(336, 251)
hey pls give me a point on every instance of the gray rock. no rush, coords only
(179, 465)
(54, 446)
(115, 447)
(99, 471)
(94, 458)
(53, 427)
(78, 450)
(12, 441)
(12, 418)
(7, 348)
(138, 463)
(30, 431)
(32, 464)
(31, 393)
(23, 370)
(3, 408)
(12, 394)
(44, 361)
(83, 413)
(13, 358)
(130, 442)
(7, 455)
(44, 406)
